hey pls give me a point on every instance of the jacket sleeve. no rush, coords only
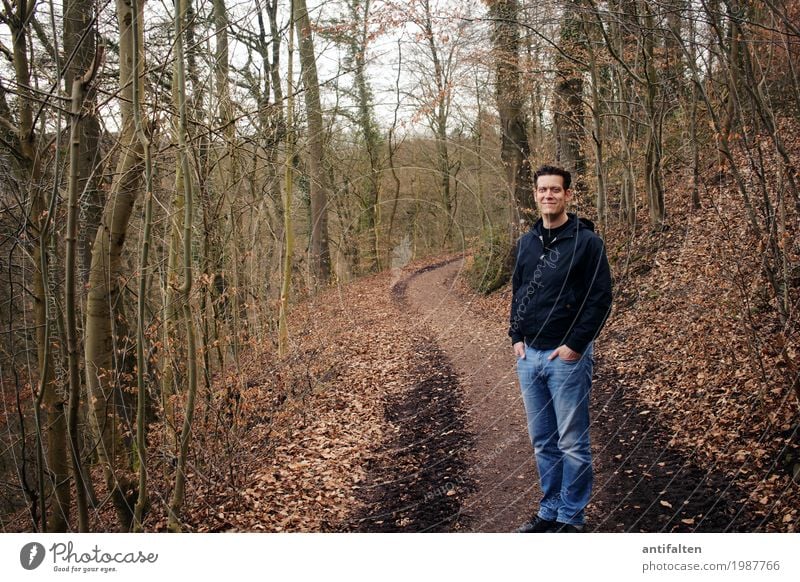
(597, 304)
(516, 282)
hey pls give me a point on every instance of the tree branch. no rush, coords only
(610, 46)
(6, 52)
(5, 123)
(41, 34)
(12, 149)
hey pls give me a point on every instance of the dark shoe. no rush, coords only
(568, 528)
(537, 525)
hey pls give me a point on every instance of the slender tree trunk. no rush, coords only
(392, 147)
(228, 166)
(288, 233)
(106, 275)
(440, 124)
(733, 68)
(693, 122)
(278, 119)
(170, 354)
(199, 119)
(654, 184)
(272, 129)
(673, 67)
(443, 158)
(619, 46)
(39, 219)
(79, 40)
(320, 254)
(80, 87)
(370, 133)
(178, 493)
(142, 501)
(569, 98)
(173, 352)
(482, 210)
(597, 134)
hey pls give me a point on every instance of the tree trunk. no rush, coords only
(673, 67)
(106, 277)
(272, 129)
(39, 220)
(440, 125)
(619, 44)
(319, 187)
(693, 121)
(228, 175)
(392, 150)
(80, 87)
(597, 132)
(79, 41)
(568, 98)
(171, 354)
(514, 146)
(178, 493)
(143, 501)
(369, 222)
(652, 168)
(288, 232)
(482, 210)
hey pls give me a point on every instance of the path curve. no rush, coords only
(641, 483)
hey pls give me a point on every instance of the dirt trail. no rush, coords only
(501, 467)
(641, 483)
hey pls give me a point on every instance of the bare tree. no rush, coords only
(288, 250)
(106, 276)
(318, 176)
(79, 40)
(568, 95)
(511, 105)
(80, 90)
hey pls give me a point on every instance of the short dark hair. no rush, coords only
(546, 170)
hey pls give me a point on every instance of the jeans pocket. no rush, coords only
(568, 362)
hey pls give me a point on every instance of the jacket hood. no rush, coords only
(571, 218)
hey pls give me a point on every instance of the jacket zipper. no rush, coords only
(541, 258)
(536, 295)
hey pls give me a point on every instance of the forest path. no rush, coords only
(641, 483)
(500, 470)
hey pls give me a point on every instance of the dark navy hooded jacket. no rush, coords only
(562, 293)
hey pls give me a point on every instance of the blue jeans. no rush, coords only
(556, 398)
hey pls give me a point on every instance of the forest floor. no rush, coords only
(482, 476)
(398, 409)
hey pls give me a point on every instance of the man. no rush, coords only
(562, 297)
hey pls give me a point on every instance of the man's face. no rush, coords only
(551, 196)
